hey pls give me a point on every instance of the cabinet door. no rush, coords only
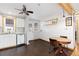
(1, 42)
(11, 40)
(19, 22)
(20, 39)
(7, 41)
(4, 41)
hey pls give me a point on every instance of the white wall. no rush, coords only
(57, 30)
(53, 30)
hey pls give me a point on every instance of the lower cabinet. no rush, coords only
(7, 40)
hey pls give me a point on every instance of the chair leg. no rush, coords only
(57, 51)
(64, 53)
(61, 51)
(51, 49)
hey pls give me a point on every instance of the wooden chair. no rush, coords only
(66, 38)
(54, 45)
(57, 47)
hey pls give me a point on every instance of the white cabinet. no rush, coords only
(19, 22)
(34, 26)
(20, 25)
(20, 39)
(7, 40)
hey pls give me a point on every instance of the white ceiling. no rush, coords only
(75, 5)
(41, 11)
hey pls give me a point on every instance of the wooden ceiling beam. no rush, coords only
(67, 7)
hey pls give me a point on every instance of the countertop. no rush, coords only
(11, 33)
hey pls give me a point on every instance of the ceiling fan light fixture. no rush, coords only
(63, 13)
(24, 11)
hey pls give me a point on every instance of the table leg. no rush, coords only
(65, 52)
(61, 50)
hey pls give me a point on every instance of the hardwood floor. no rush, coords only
(35, 48)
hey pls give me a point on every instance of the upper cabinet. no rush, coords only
(34, 25)
(19, 22)
(19, 25)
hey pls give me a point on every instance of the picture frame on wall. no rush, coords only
(52, 21)
(68, 21)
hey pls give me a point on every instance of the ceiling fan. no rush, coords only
(24, 11)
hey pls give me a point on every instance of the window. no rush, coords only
(9, 24)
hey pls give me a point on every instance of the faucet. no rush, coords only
(9, 30)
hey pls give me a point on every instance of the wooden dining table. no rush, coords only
(62, 41)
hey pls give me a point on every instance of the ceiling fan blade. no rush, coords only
(27, 13)
(24, 8)
(30, 12)
(24, 11)
(18, 9)
(20, 12)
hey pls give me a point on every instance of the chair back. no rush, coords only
(53, 42)
(63, 37)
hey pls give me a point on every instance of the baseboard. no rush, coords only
(20, 45)
(12, 47)
(41, 39)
